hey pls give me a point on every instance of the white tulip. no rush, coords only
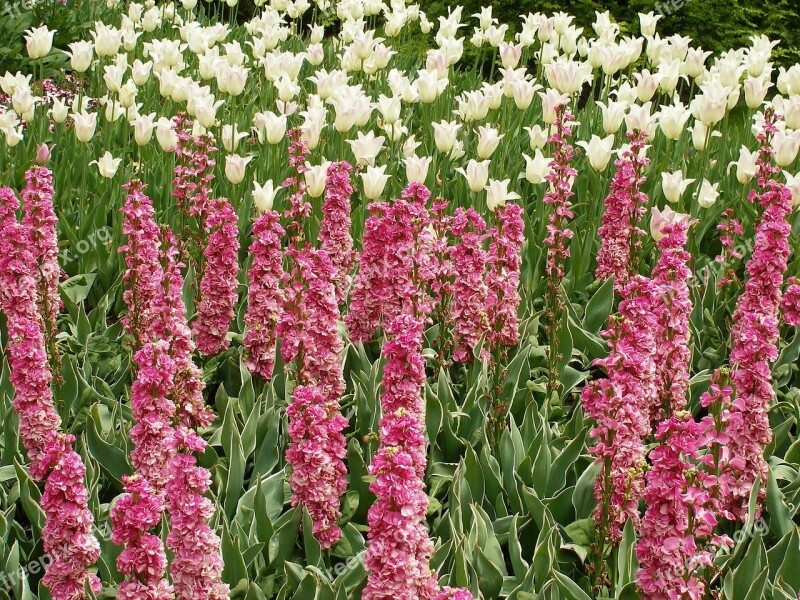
(235, 167)
(598, 150)
(264, 195)
(444, 135)
(141, 71)
(366, 147)
(647, 23)
(708, 194)
(497, 193)
(672, 120)
(488, 140)
(674, 185)
(746, 166)
(793, 183)
(81, 55)
(613, 115)
(166, 135)
(315, 178)
(58, 111)
(538, 136)
(417, 168)
(537, 168)
(374, 180)
(786, 146)
(143, 127)
(107, 165)
(755, 90)
(476, 174)
(38, 42)
(85, 125)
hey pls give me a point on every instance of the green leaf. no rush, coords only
(599, 307)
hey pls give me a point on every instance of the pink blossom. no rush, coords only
(619, 405)
(196, 568)
(311, 342)
(502, 278)
(40, 221)
(560, 178)
(187, 387)
(468, 311)
(142, 278)
(219, 284)
(620, 236)
(144, 560)
(755, 332)
(317, 453)
(265, 297)
(671, 274)
(399, 549)
(67, 534)
(334, 233)
(678, 526)
(395, 238)
(791, 302)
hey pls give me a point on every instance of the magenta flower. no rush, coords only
(311, 343)
(196, 568)
(316, 454)
(142, 278)
(502, 278)
(187, 387)
(144, 560)
(620, 236)
(468, 310)
(755, 331)
(265, 297)
(395, 238)
(678, 526)
(399, 549)
(334, 233)
(219, 284)
(620, 404)
(671, 275)
(67, 535)
(791, 302)
(40, 221)
(560, 178)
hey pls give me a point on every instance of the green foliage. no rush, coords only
(713, 24)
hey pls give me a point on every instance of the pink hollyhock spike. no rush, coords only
(399, 549)
(265, 297)
(620, 404)
(502, 278)
(143, 273)
(755, 332)
(791, 302)
(396, 238)
(677, 532)
(558, 197)
(671, 274)
(316, 454)
(620, 236)
(468, 312)
(40, 220)
(334, 233)
(187, 387)
(67, 536)
(144, 560)
(219, 284)
(196, 568)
